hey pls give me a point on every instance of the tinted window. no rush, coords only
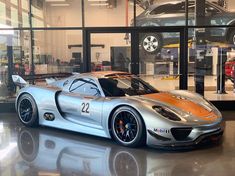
(85, 87)
(169, 8)
(208, 8)
(211, 9)
(125, 86)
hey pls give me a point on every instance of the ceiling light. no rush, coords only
(6, 151)
(6, 32)
(99, 4)
(60, 5)
(55, 0)
(1, 124)
(98, 0)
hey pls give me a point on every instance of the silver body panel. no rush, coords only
(67, 109)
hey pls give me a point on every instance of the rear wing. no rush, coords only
(19, 81)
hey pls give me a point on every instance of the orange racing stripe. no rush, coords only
(184, 104)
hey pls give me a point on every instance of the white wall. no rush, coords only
(102, 16)
(109, 40)
(57, 41)
(231, 5)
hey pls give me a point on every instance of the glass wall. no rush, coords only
(45, 37)
(110, 52)
(108, 13)
(57, 51)
(14, 13)
(49, 13)
(211, 66)
(14, 58)
(159, 59)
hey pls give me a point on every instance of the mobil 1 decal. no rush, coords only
(85, 107)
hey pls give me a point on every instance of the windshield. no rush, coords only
(125, 86)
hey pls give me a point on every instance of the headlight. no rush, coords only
(207, 105)
(167, 113)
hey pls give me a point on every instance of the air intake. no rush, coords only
(181, 134)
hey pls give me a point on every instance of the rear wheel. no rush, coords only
(231, 39)
(127, 127)
(27, 110)
(151, 43)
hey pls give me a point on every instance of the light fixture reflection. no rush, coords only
(1, 124)
(6, 32)
(59, 5)
(97, 0)
(55, 0)
(4, 152)
(104, 4)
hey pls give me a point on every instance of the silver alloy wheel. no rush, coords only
(150, 43)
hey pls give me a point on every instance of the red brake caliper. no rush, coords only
(121, 126)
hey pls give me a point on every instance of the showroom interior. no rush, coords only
(170, 44)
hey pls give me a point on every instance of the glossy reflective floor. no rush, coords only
(46, 151)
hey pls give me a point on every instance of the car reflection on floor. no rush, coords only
(50, 152)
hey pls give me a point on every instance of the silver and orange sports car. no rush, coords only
(121, 106)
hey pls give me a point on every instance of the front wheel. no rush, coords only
(127, 127)
(27, 110)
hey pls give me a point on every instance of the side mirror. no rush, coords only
(210, 11)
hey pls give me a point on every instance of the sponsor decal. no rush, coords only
(161, 130)
(178, 97)
(85, 107)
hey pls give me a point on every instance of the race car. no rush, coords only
(120, 106)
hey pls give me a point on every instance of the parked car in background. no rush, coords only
(229, 68)
(172, 13)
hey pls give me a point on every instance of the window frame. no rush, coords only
(99, 92)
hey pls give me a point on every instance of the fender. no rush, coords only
(229, 29)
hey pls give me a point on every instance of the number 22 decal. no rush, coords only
(85, 108)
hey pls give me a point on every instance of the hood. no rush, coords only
(191, 106)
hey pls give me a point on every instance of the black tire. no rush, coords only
(127, 127)
(151, 43)
(231, 39)
(27, 110)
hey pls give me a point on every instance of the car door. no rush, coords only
(82, 102)
(215, 18)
